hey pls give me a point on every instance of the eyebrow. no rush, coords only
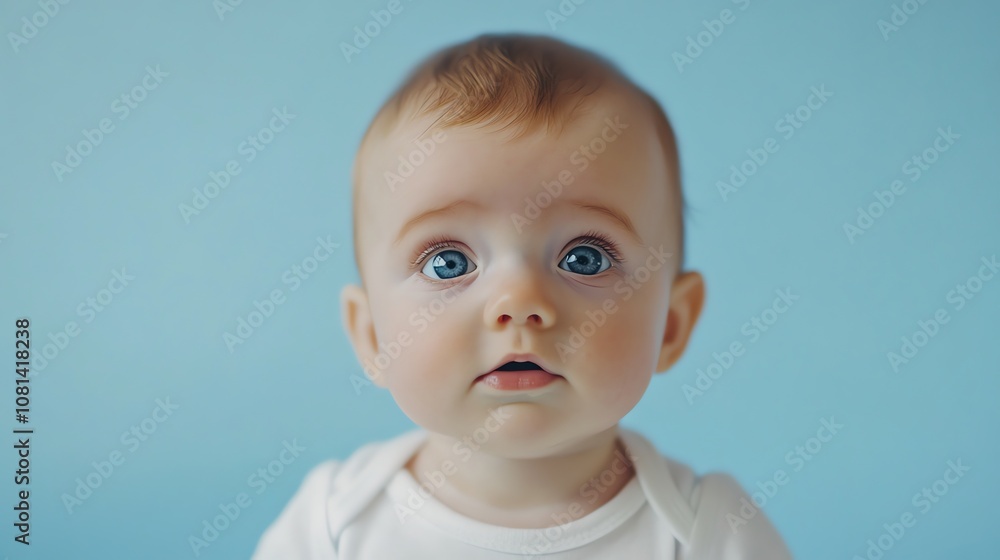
(458, 205)
(618, 216)
(614, 214)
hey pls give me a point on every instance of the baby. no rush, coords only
(519, 236)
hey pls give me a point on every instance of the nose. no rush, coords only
(520, 303)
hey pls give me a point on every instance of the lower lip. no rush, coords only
(517, 380)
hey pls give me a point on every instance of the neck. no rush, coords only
(527, 493)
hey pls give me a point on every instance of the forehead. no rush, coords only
(609, 155)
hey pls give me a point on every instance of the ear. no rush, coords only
(357, 319)
(687, 296)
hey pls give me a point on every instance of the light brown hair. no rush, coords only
(513, 84)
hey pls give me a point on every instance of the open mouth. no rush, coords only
(518, 376)
(519, 366)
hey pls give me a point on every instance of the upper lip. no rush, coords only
(522, 358)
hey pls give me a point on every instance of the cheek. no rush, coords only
(620, 356)
(416, 380)
(437, 357)
(633, 331)
(627, 370)
(430, 385)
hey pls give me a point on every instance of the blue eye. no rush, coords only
(447, 265)
(585, 260)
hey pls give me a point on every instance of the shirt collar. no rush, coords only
(360, 480)
(659, 485)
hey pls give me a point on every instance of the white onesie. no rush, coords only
(371, 508)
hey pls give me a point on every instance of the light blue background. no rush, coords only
(162, 336)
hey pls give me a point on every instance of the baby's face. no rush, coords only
(514, 267)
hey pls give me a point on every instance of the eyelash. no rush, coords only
(592, 237)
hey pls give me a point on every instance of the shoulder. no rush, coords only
(301, 527)
(727, 524)
(328, 497)
(711, 514)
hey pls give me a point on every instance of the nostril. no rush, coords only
(533, 318)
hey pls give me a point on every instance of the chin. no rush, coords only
(531, 438)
